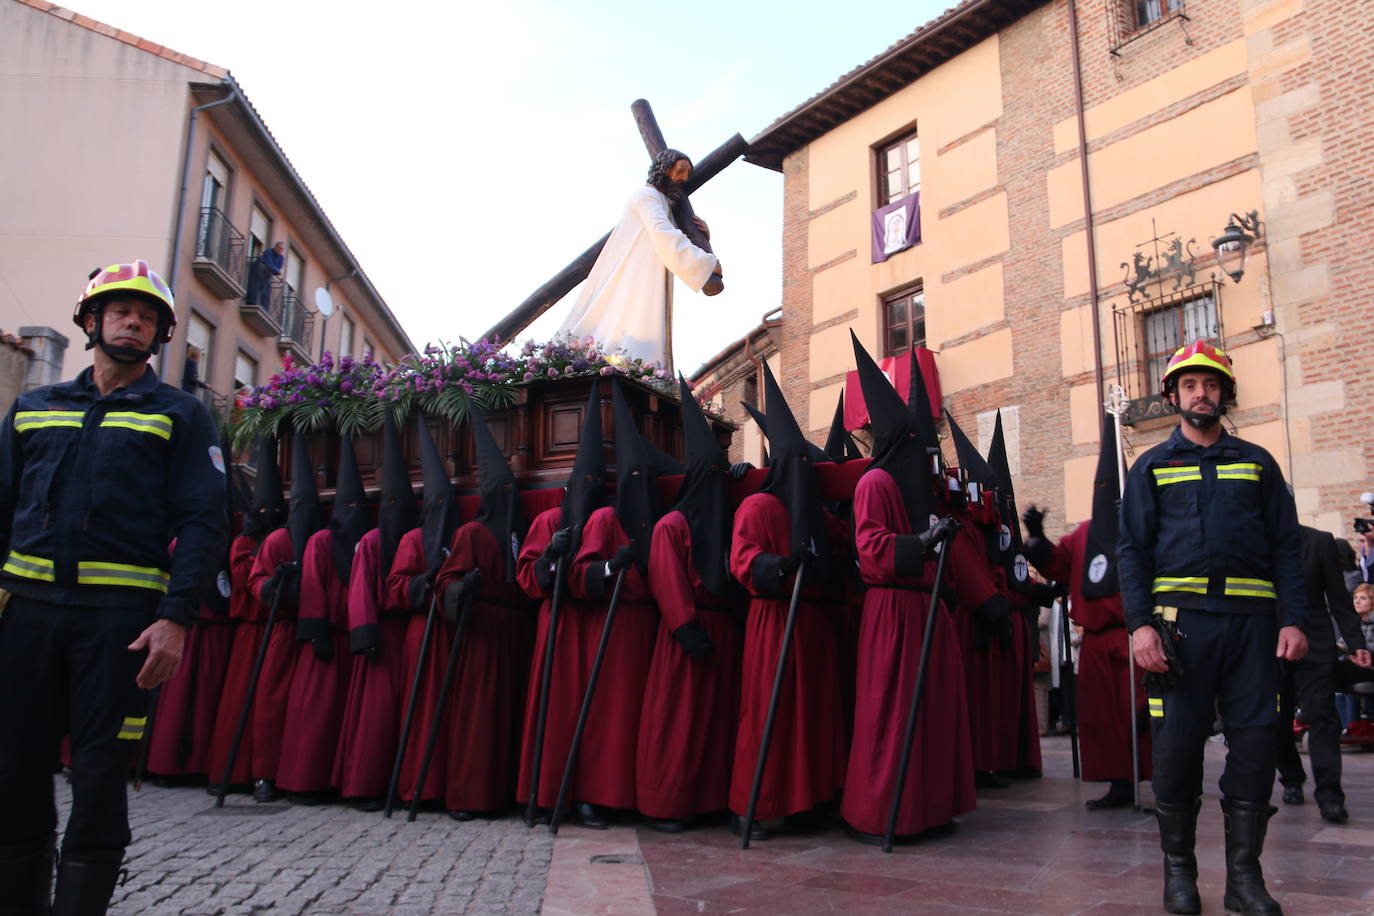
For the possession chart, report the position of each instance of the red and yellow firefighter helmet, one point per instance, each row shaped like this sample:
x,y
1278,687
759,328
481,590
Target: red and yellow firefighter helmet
x,y
1198,356
136,279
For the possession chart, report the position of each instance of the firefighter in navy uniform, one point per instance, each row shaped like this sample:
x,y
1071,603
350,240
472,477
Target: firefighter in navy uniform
x,y
97,475
1209,541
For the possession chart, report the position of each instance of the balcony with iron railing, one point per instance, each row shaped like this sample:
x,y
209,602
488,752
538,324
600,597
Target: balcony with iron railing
x,y
219,256
297,327
272,308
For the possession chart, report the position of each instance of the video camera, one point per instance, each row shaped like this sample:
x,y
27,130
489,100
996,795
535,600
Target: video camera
x,y
1365,525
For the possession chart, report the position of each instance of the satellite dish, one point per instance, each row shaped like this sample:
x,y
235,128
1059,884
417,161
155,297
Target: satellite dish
x,y
323,301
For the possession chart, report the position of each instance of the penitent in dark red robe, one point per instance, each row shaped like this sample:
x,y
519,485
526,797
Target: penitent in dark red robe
x,y
1018,746
315,702
488,694
185,719
251,615
971,573
1104,700
409,563
691,708
806,759
371,721
939,779
278,665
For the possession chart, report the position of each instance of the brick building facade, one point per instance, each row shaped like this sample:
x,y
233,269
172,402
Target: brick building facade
x,y
1190,112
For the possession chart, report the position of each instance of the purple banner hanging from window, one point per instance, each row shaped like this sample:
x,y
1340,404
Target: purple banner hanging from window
x,y
896,227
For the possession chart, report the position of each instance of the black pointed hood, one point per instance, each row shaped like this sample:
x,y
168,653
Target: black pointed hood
x,y
267,512
439,510
973,465
703,497
1012,553
818,454
840,445
636,479
1099,559
585,491
761,422
304,517
897,445
398,513
350,520
792,478
500,508
918,402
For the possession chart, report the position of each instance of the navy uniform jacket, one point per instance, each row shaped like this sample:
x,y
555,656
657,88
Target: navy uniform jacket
x,y
1209,529
93,489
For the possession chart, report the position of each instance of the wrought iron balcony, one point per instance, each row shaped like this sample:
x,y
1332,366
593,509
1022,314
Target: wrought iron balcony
x,y
219,255
261,306
297,327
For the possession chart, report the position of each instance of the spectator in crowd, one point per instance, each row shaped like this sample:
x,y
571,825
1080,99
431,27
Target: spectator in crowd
x,y
190,371
1350,706
1350,565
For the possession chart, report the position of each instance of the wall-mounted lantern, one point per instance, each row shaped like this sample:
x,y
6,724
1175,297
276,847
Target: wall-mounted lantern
x,y
1234,243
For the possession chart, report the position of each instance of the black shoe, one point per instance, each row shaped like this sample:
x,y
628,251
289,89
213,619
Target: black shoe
x,y
1334,812
984,779
85,883
868,839
1177,838
588,816
1246,825
662,825
365,804
1119,795
461,815
264,791
305,799
756,830
1292,795
26,875
212,789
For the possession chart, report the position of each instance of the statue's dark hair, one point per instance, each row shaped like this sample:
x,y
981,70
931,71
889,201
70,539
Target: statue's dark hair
x,y
658,171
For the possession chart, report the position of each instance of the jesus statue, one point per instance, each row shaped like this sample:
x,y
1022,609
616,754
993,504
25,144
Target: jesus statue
x,y
626,302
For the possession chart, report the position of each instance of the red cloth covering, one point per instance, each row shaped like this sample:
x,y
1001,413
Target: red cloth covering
x,y
691,708
939,780
371,720
568,676
184,722
806,759
319,689
409,563
971,573
1104,724
488,692
605,772
1019,745
274,682
251,615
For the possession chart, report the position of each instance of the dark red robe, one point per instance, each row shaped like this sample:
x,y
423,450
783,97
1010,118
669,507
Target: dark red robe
x,y
971,573
488,693
691,708
315,702
251,615
1018,746
409,563
806,760
269,702
1104,720
371,720
939,779
569,676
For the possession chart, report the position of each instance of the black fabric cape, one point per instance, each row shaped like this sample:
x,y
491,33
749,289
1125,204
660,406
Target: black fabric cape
x,y
585,491
703,498
499,508
399,512
897,445
792,479
1099,559
439,510
350,520
267,512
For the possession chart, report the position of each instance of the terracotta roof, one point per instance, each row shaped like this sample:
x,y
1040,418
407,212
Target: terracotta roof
x,y
128,38
949,34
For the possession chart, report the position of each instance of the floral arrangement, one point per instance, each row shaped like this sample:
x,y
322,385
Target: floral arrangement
x,y
441,381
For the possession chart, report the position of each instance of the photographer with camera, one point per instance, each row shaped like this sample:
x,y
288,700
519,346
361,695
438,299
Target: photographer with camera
x,y
1364,527
1209,552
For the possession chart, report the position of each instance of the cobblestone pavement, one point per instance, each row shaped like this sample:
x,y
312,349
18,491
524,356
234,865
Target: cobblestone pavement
x,y
188,858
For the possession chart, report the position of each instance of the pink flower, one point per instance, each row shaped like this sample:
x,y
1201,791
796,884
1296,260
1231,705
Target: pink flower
x,y
553,373
529,376
607,370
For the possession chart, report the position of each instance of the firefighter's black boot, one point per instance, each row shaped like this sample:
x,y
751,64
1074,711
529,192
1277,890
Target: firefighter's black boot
x,y
26,877
85,883
1246,824
1177,837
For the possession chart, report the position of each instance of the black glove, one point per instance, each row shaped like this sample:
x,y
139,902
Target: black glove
x,y
1156,682
559,544
457,594
943,530
790,563
1034,520
279,588
323,648
694,640
1044,595
737,471
623,557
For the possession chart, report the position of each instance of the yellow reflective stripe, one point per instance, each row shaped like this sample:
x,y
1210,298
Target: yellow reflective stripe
x,y
1181,584
29,567
132,729
1156,707
156,423
1175,475
1245,470
26,420
1250,588
91,572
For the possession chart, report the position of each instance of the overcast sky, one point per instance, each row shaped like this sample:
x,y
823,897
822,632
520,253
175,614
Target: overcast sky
x,y
468,152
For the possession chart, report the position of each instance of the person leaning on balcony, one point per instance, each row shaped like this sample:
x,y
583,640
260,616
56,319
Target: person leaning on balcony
x,y
269,264
1209,552
96,475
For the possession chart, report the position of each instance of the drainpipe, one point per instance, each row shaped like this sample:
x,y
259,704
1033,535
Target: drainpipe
x,y
1088,225
175,267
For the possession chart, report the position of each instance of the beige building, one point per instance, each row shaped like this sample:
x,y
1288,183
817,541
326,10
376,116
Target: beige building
x,y
119,148
1040,284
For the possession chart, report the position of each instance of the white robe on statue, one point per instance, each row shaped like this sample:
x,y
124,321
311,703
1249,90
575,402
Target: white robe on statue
x,y
625,300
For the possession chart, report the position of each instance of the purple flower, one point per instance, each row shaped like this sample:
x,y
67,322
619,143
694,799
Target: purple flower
x,y
529,376
346,386
553,373
607,370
